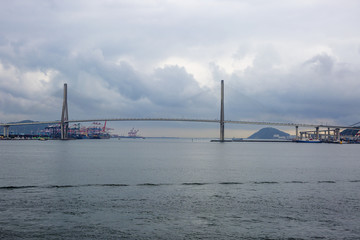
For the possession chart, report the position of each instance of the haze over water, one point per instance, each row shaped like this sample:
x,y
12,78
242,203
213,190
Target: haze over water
x,y
178,189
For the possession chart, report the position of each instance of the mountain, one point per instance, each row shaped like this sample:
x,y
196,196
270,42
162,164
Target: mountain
x,y
269,133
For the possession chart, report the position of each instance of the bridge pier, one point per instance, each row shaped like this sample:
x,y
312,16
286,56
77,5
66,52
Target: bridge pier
x,y
337,134
64,116
297,133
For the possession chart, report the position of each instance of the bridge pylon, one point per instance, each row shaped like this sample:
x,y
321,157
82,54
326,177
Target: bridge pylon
x,y
222,124
64,116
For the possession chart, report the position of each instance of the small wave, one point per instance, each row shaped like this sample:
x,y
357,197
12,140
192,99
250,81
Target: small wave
x,y
326,182
296,182
194,183
266,182
89,185
354,181
149,184
16,187
218,196
61,186
111,185
230,183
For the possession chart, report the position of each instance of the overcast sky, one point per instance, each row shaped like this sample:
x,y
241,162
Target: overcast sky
x,y
282,61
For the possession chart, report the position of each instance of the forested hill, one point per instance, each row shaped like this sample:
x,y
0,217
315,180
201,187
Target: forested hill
x,y
269,133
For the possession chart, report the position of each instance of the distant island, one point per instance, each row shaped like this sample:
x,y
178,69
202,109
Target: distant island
x,y
269,133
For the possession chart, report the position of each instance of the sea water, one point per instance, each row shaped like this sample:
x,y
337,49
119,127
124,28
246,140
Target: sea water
x,y
178,189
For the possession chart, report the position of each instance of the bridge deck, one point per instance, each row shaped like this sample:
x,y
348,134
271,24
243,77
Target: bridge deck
x,y
185,120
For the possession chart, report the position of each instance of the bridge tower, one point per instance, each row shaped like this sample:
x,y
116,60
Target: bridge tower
x,y
222,124
64,116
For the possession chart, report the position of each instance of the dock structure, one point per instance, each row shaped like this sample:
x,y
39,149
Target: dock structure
x,y
328,135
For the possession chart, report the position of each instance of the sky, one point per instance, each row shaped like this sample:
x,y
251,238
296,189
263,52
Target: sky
x,y
282,61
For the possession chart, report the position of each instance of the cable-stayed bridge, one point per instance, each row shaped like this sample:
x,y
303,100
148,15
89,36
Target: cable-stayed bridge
x,y
184,120
64,122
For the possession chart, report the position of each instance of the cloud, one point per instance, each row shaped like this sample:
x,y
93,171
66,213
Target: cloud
x,y
293,61
318,88
173,86
323,64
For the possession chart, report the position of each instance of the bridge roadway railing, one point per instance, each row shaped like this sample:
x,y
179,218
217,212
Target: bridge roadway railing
x,y
147,119
184,120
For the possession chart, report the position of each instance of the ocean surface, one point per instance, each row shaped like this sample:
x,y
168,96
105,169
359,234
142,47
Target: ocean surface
x,y
178,189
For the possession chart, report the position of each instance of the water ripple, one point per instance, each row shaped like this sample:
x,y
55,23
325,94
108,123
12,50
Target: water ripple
x,y
230,183
16,187
296,182
149,184
266,182
194,183
11,187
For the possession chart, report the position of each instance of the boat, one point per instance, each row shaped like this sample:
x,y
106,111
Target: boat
x,y
99,136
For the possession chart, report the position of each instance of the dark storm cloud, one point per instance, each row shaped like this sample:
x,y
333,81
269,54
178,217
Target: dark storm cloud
x,y
172,86
317,89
